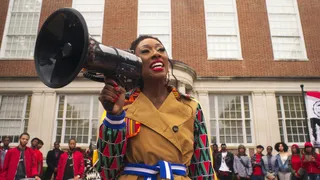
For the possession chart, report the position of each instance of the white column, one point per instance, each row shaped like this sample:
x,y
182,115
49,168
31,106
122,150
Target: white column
x,y
182,87
259,118
47,121
36,110
272,122
203,98
42,115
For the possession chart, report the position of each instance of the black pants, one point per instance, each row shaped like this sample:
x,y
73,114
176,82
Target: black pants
x,y
225,175
314,122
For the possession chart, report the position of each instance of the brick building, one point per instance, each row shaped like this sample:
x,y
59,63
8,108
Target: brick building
x,y
246,60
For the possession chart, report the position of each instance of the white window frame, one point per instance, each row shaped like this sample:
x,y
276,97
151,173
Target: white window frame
x,y
302,42
170,29
101,30
62,143
284,118
5,32
243,119
22,125
237,33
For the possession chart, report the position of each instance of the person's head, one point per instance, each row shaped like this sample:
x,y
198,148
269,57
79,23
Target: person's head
x,y
40,144
35,142
241,149
24,138
6,141
155,61
56,145
281,147
308,148
269,149
215,147
260,148
223,147
295,149
72,144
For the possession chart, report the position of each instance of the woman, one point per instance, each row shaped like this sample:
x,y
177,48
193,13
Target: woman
x,y
282,160
311,162
153,132
295,163
242,164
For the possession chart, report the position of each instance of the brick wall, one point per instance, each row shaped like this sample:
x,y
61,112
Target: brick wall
x,y
189,38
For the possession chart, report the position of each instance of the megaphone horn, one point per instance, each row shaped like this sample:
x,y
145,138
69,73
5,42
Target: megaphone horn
x,y
64,47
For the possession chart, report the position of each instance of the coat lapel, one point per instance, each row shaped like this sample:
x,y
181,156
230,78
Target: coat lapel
x,y
171,113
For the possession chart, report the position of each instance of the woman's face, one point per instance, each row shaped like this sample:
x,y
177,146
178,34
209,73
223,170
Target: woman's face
x,y
294,150
280,147
154,59
241,150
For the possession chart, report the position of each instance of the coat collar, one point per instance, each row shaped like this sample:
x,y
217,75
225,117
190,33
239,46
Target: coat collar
x,y
172,112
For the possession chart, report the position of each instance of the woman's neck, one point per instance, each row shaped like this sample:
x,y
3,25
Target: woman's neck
x,y
156,92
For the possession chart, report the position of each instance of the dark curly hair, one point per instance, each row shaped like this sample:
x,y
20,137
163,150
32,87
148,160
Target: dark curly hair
x,y
133,47
285,146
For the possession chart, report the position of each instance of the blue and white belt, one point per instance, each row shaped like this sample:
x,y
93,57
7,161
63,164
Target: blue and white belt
x,y
165,169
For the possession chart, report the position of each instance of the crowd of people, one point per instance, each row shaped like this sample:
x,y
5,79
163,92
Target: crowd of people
x,y
297,165
27,162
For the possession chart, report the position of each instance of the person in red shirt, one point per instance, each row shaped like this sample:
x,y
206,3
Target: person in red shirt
x,y
20,162
71,163
257,164
311,161
39,157
295,163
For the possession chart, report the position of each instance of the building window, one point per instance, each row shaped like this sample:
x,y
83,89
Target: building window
x,y
286,31
223,38
292,124
21,29
154,19
14,115
93,13
77,117
230,119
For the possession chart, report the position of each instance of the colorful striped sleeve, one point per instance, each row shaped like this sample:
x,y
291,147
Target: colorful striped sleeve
x,y
201,164
111,147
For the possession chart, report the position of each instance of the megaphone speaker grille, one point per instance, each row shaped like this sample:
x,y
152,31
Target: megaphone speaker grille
x,y
61,47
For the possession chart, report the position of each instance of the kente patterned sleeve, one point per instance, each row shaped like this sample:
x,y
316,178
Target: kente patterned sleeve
x,y
201,164
111,146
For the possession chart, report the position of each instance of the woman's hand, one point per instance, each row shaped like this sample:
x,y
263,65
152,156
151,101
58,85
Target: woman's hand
x,y
114,93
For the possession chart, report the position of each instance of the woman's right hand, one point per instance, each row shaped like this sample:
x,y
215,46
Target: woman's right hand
x,y
114,93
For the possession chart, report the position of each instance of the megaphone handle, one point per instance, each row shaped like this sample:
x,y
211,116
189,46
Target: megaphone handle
x,y
108,106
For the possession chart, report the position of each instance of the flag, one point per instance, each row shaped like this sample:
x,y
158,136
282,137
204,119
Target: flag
x,y
313,111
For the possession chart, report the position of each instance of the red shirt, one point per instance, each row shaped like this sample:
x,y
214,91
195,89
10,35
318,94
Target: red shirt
x,y
39,160
312,167
11,164
257,170
78,164
296,162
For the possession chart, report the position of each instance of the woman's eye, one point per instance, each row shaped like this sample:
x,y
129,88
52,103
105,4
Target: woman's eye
x,y
161,49
144,51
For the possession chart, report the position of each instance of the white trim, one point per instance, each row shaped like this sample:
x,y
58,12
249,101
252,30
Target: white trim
x,y
24,113
55,122
90,120
251,118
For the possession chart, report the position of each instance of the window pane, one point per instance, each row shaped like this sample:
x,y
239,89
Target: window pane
x,y
285,28
230,123
155,20
222,29
22,29
79,112
14,115
296,129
